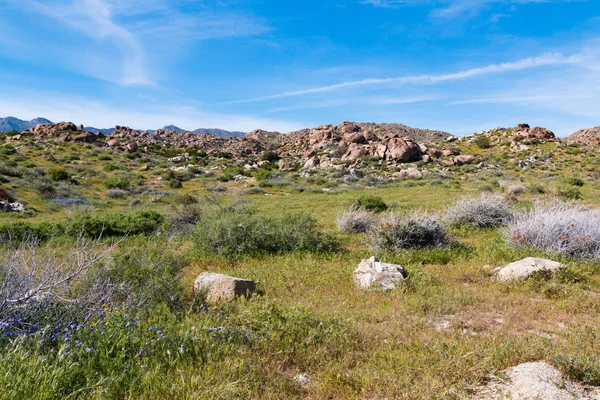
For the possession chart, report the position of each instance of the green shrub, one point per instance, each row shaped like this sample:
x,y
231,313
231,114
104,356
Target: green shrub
x,y
396,232
574,181
118,182
6,195
139,222
117,194
110,167
57,174
242,233
370,203
145,273
269,156
483,142
22,231
262,175
569,193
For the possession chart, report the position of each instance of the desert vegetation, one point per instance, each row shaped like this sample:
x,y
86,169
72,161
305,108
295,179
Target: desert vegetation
x,y
98,270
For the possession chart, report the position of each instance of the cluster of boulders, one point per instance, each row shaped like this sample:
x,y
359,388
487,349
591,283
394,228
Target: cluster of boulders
x,y
63,132
586,137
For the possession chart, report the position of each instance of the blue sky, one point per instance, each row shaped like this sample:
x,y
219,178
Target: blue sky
x,y
456,65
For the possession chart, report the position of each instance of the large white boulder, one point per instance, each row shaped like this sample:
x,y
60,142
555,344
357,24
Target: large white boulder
x,y
219,287
522,269
532,381
372,273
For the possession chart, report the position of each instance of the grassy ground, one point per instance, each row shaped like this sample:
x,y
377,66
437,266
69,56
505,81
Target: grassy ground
x,y
440,336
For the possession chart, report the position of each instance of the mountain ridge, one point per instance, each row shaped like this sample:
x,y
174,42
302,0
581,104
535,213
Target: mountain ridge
x,y
9,124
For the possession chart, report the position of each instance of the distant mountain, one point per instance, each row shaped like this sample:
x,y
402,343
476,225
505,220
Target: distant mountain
x,y
173,128
11,123
219,132
105,131
15,124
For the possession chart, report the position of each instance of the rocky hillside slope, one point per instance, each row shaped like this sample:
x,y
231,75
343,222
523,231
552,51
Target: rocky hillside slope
x,y
587,137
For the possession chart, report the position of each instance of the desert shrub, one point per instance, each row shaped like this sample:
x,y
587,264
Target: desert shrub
x,y
6,195
240,232
255,190
110,167
175,184
186,199
354,219
118,182
269,156
184,216
574,181
397,232
536,188
58,174
483,142
370,203
262,174
139,222
13,171
484,211
144,273
559,227
21,231
117,194
104,157
568,193
218,189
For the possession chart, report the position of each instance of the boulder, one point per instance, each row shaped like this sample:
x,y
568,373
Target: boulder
x,y
534,380
11,207
85,137
522,269
453,151
355,153
219,287
402,150
354,137
113,143
371,273
410,173
178,159
464,159
312,163
541,133
132,147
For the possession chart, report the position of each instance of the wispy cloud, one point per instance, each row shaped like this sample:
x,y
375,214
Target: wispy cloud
x,y
526,63
449,9
363,101
131,30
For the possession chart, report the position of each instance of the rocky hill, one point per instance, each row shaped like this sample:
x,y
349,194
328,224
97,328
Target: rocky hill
x,y
587,136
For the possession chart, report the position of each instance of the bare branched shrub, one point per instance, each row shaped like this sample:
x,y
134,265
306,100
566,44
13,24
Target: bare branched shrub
x,y
355,219
396,232
482,212
559,227
34,278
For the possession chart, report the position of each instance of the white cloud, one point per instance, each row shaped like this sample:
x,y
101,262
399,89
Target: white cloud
x,y
526,63
123,38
